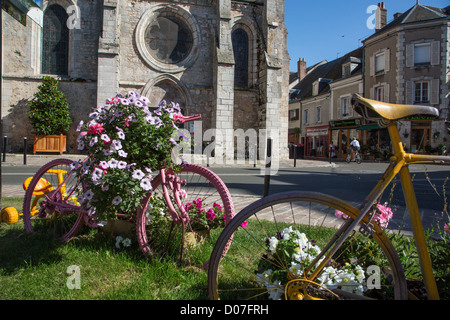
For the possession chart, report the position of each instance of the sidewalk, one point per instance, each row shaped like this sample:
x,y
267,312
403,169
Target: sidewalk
x,y
13,159
240,200
38,160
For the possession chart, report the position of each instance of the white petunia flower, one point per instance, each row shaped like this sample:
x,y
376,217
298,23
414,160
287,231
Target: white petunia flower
x,y
113,163
117,200
146,184
121,165
97,174
88,195
273,244
138,174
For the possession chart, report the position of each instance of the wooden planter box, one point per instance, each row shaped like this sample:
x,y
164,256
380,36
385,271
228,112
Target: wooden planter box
x,y
50,143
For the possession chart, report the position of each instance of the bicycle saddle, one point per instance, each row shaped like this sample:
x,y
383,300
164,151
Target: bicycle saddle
x,y
376,110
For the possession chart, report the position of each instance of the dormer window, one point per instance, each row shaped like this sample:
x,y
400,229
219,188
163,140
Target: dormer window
x,y
315,88
346,70
319,85
349,66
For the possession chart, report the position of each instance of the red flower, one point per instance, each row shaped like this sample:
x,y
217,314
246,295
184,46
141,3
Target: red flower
x,y
96,128
210,214
178,117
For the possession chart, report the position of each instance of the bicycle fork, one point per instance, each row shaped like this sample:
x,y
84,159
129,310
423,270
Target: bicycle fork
x,y
172,183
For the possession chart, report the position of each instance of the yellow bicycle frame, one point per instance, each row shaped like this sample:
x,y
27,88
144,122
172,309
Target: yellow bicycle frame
x,y
399,165
405,159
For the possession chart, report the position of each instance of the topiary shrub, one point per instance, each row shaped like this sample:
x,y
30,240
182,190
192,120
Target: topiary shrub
x,y
49,110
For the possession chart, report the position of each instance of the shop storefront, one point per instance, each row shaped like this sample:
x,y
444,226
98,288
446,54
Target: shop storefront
x,y
342,133
317,142
375,142
421,136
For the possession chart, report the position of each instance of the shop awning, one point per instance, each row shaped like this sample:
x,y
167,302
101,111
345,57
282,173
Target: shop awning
x,y
369,127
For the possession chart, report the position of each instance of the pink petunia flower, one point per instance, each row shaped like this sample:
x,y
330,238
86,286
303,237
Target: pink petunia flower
x,y
178,117
340,214
198,203
96,128
210,214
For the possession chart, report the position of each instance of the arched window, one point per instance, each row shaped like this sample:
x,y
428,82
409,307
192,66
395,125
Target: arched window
x,y
240,49
55,41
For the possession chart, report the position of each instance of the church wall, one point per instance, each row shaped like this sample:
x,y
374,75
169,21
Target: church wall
x,y
105,58
21,72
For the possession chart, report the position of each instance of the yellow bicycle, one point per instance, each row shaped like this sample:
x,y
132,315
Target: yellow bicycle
x,y
304,245
10,215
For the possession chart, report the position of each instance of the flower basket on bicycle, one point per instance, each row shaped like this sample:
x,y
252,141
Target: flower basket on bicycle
x,y
130,174
126,143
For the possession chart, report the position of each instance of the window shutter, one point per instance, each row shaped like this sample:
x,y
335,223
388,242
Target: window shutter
x,y
386,92
434,92
338,109
409,93
387,60
372,66
372,93
410,55
435,53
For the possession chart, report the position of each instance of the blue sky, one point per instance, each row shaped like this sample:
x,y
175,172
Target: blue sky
x,y
326,30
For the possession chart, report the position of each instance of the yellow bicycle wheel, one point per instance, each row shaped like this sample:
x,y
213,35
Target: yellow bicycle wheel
x,y
276,253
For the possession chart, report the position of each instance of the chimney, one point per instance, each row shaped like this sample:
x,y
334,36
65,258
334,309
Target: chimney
x,y
396,15
301,65
380,17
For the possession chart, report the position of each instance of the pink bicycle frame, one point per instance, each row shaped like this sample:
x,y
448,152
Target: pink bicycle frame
x,y
172,182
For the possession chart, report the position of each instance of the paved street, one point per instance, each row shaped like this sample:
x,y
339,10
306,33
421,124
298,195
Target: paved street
x,y
351,182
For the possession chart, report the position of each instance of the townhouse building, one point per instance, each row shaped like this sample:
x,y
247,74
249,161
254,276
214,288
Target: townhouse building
x,y
320,105
405,61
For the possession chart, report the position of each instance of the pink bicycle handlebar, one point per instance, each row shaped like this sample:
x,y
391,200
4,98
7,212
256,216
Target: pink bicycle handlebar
x,y
193,118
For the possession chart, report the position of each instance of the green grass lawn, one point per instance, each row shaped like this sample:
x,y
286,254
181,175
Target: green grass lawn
x,y
34,266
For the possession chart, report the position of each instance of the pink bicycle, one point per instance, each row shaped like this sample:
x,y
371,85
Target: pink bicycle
x,y
59,211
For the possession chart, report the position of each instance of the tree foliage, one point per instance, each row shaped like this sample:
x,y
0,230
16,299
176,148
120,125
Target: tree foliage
x,y
49,109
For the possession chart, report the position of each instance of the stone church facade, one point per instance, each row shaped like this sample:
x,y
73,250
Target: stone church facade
x,y
224,59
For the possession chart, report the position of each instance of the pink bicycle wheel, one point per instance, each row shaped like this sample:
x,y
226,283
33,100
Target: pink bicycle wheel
x,y
201,188
52,184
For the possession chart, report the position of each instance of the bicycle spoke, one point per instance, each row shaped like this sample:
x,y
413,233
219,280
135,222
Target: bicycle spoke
x,y
196,191
262,254
50,204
